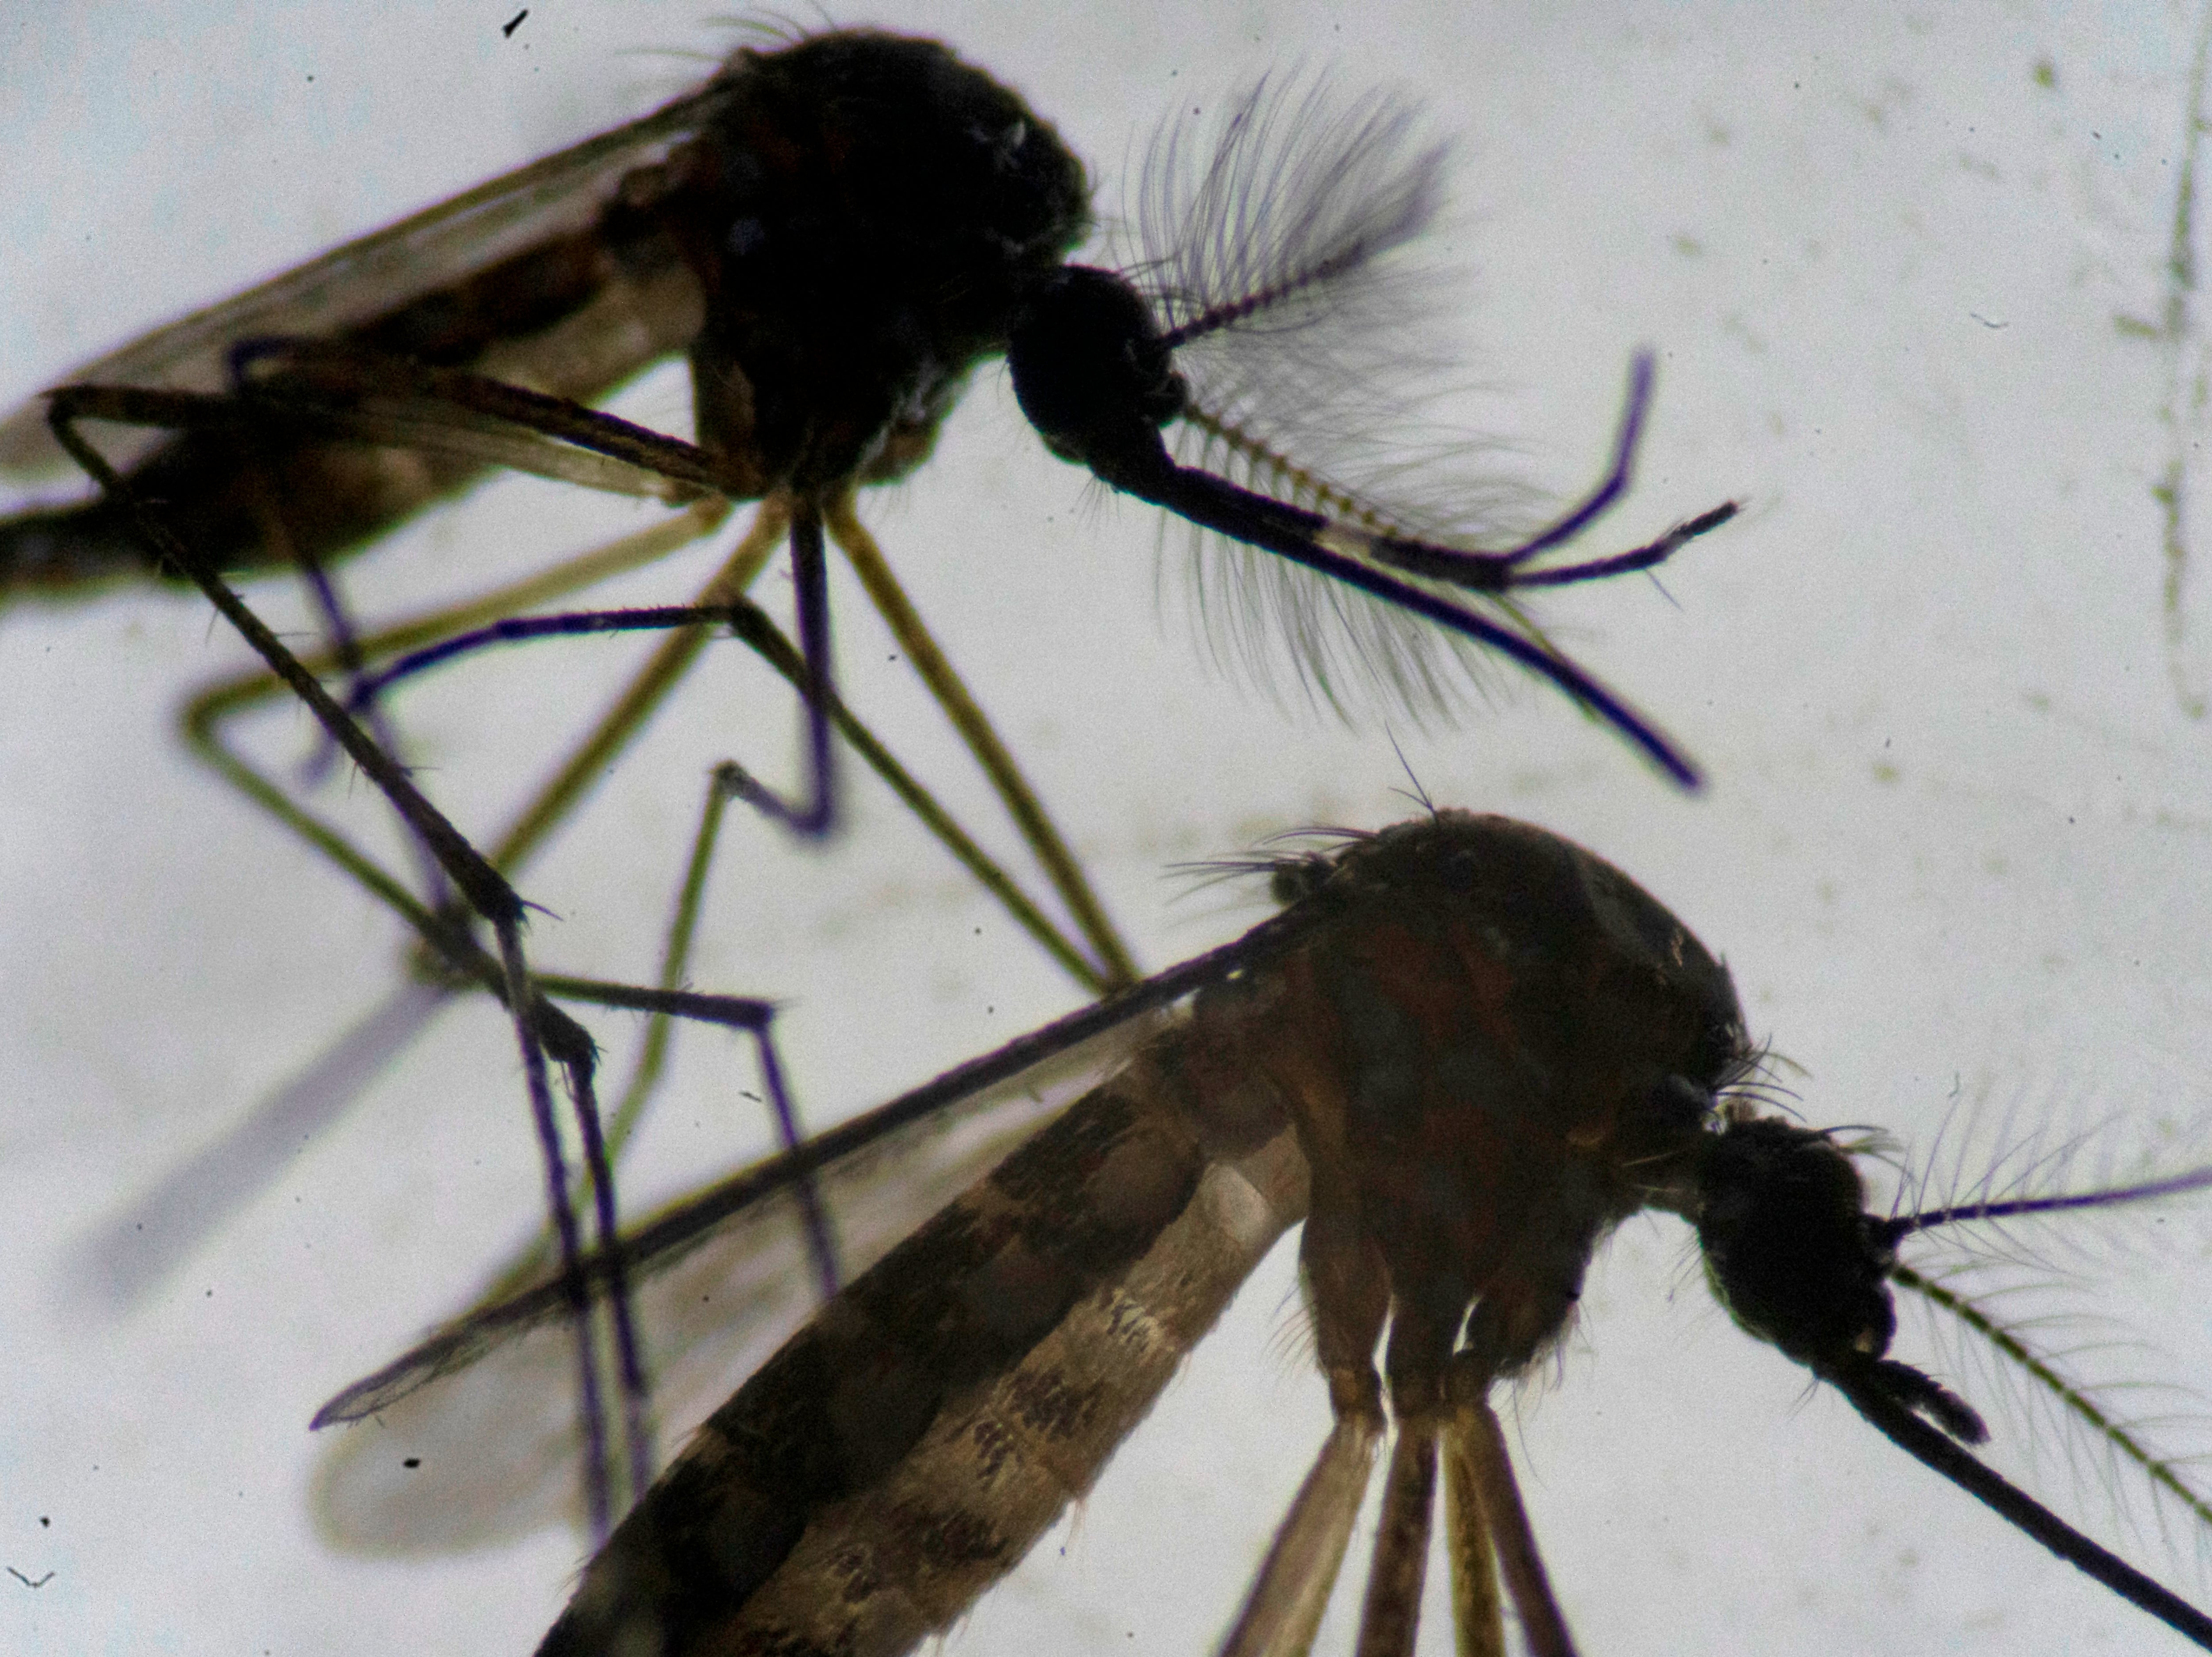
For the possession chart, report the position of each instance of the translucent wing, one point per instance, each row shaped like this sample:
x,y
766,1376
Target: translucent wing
x,y
376,274
486,1448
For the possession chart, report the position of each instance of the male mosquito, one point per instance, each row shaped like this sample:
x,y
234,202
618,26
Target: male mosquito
x,y
836,233
1464,1051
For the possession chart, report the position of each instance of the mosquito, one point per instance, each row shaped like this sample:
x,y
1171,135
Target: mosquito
x,y
1463,1052
822,360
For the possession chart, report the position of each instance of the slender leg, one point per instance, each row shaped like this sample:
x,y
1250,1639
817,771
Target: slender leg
x,y
814,811
216,1186
642,699
1390,1618
1478,1441
536,1022
1478,1612
967,718
755,1017
460,412
1287,1598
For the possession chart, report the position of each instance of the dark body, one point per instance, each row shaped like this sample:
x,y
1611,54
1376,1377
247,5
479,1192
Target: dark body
x,y
835,233
1467,1049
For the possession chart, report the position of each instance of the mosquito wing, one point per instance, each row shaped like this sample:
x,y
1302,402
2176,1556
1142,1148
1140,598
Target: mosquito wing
x,y
478,1442
377,273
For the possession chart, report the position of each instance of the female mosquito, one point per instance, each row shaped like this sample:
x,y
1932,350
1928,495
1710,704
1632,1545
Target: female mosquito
x,y
1464,1051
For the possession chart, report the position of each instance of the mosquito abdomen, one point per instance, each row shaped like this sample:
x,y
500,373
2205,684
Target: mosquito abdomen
x,y
574,318
904,1450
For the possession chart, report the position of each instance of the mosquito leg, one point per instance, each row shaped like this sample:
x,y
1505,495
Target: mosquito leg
x,y
646,1070
755,1017
345,637
211,710
689,625
643,696
223,699
197,1197
1348,1293
345,652
630,1361
814,815
1478,1612
1284,1606
455,411
636,448
728,783
1390,1617
1021,805
487,891
1478,1456
215,707
520,995
278,540
752,625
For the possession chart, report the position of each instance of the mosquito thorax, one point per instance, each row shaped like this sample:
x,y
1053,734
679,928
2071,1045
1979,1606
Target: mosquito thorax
x,y
1522,1044
1093,373
1590,960
864,218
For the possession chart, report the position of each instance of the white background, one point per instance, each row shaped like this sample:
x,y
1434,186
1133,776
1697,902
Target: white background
x,y
1954,847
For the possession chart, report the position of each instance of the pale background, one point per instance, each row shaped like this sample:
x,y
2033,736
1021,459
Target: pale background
x,y
1954,847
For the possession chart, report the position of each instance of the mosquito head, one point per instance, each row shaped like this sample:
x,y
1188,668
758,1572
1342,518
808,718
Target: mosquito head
x,y
1792,1252
1093,373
